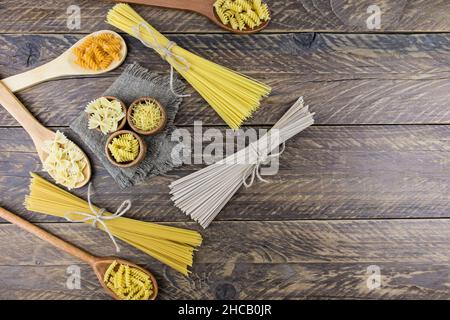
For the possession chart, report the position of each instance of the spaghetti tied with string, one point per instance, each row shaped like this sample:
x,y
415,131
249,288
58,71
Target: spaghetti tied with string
x,y
171,245
232,95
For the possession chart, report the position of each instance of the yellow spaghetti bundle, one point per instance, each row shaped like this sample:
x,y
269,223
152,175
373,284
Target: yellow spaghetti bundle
x,y
232,95
172,246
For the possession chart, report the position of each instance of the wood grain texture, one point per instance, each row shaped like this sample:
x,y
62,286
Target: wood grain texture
x,y
346,79
366,186
353,172
287,16
279,260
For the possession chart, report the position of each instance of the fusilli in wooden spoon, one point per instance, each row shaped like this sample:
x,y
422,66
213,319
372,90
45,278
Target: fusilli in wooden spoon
x,y
203,7
98,264
62,66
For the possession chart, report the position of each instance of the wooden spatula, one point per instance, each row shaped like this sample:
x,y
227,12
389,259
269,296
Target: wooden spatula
x,y
203,7
38,133
62,66
98,264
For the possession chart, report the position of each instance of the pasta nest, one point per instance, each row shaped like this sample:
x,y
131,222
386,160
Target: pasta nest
x,y
97,52
146,115
104,114
242,14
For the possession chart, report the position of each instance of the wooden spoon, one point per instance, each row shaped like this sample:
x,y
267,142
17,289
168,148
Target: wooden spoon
x,y
38,133
98,264
62,66
203,7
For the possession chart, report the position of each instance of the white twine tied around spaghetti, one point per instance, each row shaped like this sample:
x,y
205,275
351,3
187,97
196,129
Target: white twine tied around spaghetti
x,y
166,53
261,159
97,216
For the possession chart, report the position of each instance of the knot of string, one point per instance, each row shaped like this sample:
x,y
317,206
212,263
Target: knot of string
x,y
261,159
165,52
97,216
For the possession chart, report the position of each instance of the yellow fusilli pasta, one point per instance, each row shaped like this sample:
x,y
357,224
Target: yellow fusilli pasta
x,y
233,6
242,14
97,52
244,4
128,283
124,148
252,15
222,16
262,9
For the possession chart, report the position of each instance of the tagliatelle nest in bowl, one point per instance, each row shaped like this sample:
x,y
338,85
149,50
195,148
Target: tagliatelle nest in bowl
x,y
65,161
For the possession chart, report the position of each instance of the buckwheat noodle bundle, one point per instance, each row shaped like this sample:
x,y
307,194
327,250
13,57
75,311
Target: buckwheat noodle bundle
x,y
172,246
232,95
202,194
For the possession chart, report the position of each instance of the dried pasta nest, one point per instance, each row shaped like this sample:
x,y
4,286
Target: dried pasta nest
x,y
242,14
125,149
147,116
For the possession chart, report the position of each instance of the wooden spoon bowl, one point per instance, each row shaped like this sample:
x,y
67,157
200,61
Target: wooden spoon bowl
x,y
47,135
38,133
123,122
135,162
62,66
203,7
154,131
100,265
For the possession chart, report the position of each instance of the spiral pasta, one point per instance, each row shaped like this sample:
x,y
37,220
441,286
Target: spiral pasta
x,y
124,148
97,52
242,14
128,283
104,114
146,115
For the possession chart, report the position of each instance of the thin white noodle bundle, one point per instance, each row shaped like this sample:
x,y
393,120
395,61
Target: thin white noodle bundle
x,y
202,194
232,95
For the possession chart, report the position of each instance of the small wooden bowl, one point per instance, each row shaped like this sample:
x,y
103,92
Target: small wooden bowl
x,y
139,158
150,132
123,122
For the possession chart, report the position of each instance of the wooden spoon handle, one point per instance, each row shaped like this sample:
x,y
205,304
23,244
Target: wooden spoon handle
x,y
51,70
201,6
10,102
44,235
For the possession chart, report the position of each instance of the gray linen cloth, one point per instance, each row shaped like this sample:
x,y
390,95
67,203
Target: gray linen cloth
x,y
133,83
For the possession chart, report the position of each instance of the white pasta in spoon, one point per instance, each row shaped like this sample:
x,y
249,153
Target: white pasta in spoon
x,y
65,161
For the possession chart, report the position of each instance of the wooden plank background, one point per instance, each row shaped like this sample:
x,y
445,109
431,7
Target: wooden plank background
x,y
367,185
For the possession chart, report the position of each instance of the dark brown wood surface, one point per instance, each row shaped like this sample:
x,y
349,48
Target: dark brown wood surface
x,y
48,16
347,79
367,185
